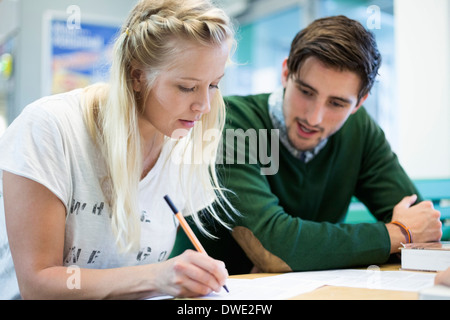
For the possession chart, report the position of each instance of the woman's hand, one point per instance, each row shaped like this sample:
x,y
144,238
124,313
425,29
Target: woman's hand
x,y
443,278
190,274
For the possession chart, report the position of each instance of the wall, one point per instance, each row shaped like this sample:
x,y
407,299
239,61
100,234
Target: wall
x,y
30,38
423,81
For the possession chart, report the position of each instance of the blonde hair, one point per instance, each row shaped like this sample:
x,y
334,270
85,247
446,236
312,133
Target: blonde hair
x,y
148,40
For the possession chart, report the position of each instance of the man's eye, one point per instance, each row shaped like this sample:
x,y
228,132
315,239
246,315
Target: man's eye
x,y
306,92
336,104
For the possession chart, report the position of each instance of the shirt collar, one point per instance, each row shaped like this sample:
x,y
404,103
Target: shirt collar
x,y
277,117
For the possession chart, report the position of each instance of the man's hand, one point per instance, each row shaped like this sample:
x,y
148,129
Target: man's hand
x,y
422,220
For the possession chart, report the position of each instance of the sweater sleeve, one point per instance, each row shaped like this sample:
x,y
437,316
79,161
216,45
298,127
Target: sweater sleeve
x,y
277,241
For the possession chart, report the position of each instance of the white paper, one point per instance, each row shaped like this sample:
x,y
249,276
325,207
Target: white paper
x,y
370,279
292,284
265,288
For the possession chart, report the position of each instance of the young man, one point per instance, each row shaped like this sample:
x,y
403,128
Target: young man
x,y
329,149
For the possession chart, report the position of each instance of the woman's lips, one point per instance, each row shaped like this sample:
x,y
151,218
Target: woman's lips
x,y
187,123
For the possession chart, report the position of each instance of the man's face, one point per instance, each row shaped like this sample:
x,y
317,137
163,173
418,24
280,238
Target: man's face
x,y
317,102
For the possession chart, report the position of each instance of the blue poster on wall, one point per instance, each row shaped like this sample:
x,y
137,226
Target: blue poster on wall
x,y
77,56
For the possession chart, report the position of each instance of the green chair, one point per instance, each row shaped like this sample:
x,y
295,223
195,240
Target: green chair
x,y
438,191
435,190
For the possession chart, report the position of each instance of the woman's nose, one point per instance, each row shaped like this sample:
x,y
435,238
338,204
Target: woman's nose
x,y
202,102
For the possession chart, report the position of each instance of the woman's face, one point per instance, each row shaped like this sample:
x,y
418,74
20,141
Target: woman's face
x,y
182,93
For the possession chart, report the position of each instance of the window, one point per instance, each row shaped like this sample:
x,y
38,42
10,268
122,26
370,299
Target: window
x,y
262,47
264,41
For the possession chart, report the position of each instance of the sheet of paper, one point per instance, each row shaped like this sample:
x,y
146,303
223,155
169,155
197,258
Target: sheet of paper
x,y
292,284
266,288
371,279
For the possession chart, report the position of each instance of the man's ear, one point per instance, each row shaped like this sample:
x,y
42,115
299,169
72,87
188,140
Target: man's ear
x,y
284,73
137,76
360,103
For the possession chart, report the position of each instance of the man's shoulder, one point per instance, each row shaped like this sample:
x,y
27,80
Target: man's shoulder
x,y
247,111
362,130
361,120
261,98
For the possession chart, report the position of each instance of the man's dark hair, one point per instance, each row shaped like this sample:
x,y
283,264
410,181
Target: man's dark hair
x,y
338,42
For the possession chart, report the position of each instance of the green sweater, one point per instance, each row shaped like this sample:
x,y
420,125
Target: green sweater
x,y
293,219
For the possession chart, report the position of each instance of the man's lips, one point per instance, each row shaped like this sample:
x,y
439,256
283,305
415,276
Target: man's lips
x,y
306,131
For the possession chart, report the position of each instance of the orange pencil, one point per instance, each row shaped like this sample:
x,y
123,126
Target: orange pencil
x,y
187,229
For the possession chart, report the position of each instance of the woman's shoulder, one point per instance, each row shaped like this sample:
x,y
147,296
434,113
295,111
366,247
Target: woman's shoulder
x,y
56,105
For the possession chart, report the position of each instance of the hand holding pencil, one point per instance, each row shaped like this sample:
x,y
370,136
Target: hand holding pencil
x,y
187,229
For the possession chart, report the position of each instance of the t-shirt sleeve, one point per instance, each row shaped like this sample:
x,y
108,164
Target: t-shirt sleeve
x,y
33,147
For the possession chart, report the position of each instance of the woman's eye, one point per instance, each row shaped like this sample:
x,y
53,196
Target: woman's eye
x,y
214,86
184,89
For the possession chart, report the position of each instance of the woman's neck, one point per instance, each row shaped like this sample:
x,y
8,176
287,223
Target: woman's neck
x,y
151,145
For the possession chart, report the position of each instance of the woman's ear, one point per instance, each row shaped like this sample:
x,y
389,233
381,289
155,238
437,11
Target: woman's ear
x,y
137,76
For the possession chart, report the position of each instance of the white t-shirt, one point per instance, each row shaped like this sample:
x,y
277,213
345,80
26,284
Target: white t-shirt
x,y
49,143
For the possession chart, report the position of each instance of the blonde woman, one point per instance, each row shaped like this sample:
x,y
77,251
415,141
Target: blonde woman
x,y
84,173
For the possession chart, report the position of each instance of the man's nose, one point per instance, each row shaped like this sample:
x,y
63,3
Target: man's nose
x,y
315,113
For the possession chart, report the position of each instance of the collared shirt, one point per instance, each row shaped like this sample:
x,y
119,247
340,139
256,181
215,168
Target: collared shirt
x,y
277,117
